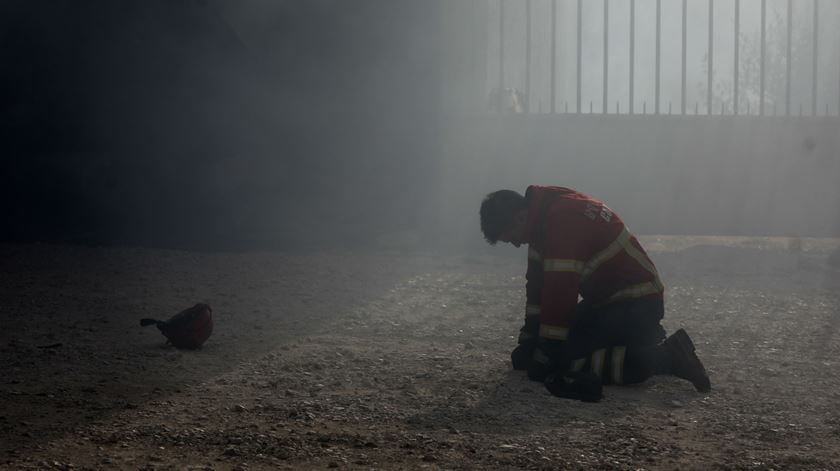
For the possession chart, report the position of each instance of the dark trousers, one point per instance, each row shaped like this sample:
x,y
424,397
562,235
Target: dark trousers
x,y
618,342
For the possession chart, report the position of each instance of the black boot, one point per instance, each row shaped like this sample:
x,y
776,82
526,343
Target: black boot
x,y
581,386
684,362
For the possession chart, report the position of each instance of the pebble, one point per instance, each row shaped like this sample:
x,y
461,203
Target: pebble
x,y
231,451
442,391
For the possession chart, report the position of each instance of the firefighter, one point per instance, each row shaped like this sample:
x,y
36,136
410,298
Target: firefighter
x,y
594,300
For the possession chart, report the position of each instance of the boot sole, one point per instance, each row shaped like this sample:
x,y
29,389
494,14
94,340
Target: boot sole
x,y
682,345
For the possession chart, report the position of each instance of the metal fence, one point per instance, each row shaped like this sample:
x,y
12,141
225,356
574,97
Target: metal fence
x,y
824,64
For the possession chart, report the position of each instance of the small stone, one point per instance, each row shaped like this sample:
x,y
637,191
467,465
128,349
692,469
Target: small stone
x,y
231,451
239,408
332,464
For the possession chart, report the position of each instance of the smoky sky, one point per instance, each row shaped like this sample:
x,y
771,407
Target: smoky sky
x,y
294,124
721,171
217,123
697,52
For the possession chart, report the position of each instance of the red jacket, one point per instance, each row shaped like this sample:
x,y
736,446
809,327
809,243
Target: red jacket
x,y
578,246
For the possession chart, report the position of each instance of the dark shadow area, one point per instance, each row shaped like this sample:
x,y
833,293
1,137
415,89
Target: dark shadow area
x,y
212,124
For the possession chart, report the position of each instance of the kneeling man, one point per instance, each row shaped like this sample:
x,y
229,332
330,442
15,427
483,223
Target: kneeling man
x,y
594,297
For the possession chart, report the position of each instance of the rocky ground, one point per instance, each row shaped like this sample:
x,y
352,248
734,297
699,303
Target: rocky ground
x,y
390,361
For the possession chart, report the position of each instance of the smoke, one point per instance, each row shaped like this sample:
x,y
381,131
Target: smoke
x,y
219,123
701,173
290,124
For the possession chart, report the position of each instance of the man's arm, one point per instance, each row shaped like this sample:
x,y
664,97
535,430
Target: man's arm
x,y
563,260
529,333
533,292
559,300
562,264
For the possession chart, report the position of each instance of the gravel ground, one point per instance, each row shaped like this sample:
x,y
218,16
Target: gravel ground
x,y
393,361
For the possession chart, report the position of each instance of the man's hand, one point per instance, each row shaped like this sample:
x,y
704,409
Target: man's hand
x,y
528,338
521,356
546,359
581,386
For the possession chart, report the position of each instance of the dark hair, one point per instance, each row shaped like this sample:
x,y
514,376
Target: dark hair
x,y
497,212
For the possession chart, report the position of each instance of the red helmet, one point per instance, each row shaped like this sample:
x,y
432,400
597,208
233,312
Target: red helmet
x,y
188,329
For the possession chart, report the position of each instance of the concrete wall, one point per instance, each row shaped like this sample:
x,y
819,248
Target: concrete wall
x,y
667,175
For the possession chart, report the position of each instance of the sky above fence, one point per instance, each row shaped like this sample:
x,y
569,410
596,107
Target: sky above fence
x,y
813,77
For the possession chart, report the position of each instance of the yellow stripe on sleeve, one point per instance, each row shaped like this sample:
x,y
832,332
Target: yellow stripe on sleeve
x,y
598,357
554,332
617,363
563,265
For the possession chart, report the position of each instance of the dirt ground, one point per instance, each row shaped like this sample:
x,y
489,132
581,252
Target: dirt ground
x,y
382,360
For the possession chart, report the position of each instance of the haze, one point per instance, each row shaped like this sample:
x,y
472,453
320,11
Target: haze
x,y
307,174
284,124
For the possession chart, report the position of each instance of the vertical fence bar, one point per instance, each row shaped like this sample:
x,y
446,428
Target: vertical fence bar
x,y
527,56
711,57
658,53
736,72
632,51
606,52
789,59
553,55
763,57
501,45
762,96
579,53
684,47
816,26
